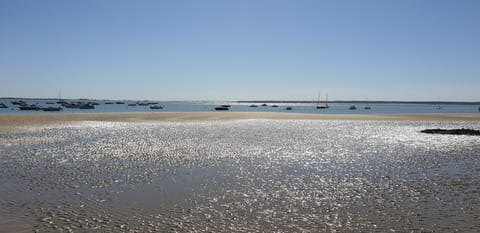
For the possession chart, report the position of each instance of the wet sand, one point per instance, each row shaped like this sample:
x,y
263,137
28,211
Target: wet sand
x,y
16,122
237,172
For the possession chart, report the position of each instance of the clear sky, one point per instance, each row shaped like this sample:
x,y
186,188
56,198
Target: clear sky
x,y
240,50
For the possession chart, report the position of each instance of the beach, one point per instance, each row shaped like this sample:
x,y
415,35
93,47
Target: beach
x,y
237,172
19,121
239,116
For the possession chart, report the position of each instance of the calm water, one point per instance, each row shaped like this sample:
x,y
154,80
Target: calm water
x,y
241,176
204,106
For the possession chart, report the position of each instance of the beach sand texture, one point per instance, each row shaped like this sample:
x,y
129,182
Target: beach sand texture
x,y
237,172
18,121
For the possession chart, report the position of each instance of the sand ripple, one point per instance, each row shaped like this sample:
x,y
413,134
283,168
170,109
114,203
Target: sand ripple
x,y
241,176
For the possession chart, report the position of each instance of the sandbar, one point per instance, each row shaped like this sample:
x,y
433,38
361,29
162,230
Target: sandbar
x,y
16,122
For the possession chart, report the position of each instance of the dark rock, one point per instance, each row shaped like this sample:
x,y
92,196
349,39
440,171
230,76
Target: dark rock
x,y
461,131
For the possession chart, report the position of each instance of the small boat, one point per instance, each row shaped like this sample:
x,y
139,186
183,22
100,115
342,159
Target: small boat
x,y
326,102
119,102
152,103
274,106
62,102
368,107
131,105
108,102
18,102
52,109
50,102
253,106
86,106
142,104
156,107
2,105
221,108
226,105
264,105
71,105
479,109
352,107
32,107
288,108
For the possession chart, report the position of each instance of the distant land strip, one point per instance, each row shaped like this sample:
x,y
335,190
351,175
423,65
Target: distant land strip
x,y
269,101
361,101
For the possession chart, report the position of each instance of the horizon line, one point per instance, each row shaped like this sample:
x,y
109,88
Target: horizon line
x,y
266,100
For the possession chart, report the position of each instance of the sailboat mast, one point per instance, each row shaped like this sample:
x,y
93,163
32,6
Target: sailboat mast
x,y
318,99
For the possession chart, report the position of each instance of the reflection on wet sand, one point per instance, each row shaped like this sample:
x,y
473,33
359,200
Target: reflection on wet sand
x,y
240,175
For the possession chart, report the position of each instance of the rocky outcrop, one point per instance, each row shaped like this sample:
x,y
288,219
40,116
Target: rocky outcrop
x,y
461,131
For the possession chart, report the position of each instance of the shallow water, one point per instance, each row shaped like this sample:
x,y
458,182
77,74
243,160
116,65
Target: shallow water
x,y
250,175
209,106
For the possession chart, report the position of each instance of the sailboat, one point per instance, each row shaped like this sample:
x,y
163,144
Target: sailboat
x,y
322,106
367,106
60,101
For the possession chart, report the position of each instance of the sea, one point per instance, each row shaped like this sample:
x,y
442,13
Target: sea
x,y
209,106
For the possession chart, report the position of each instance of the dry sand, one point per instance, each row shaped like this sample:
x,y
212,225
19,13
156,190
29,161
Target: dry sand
x,y
17,122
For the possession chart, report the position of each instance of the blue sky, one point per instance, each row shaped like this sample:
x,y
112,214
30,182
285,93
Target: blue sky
x,y
237,50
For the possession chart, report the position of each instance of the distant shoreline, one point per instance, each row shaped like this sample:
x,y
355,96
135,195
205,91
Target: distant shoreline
x,y
361,102
268,101
17,122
